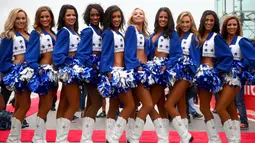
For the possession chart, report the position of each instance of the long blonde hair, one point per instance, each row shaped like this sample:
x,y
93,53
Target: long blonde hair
x,y
9,26
193,28
145,23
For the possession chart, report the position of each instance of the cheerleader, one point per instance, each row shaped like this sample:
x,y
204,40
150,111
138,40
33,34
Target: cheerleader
x,y
244,62
13,47
159,45
190,61
39,58
64,51
216,57
88,53
136,53
115,81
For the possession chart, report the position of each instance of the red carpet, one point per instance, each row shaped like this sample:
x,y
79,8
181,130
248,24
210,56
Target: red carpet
x,y
33,108
147,136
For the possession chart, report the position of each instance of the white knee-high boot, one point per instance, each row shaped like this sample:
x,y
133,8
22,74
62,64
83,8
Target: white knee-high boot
x,y
130,127
15,133
181,129
40,131
186,123
109,126
161,132
236,125
87,130
229,131
212,132
63,127
166,125
137,132
117,130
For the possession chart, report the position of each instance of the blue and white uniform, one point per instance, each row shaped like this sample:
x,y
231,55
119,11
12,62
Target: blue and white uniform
x,y
45,77
113,42
207,77
15,77
135,40
187,67
244,62
67,41
171,46
91,41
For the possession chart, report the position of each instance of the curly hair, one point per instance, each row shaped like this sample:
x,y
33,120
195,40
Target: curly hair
x,y
9,26
86,14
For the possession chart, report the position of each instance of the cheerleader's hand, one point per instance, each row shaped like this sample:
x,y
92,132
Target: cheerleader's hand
x,y
240,70
163,69
94,66
109,76
140,69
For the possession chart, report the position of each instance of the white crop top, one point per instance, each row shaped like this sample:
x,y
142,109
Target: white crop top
x,y
46,44
236,51
96,41
19,45
208,47
186,44
163,44
118,42
140,40
74,41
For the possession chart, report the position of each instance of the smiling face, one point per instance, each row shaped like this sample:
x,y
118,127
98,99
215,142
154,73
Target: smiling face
x,y
185,24
232,27
70,17
94,17
138,17
45,19
116,19
163,19
21,20
209,22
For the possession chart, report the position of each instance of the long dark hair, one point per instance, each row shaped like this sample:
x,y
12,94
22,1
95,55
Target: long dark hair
x,y
61,22
170,25
216,27
86,14
108,17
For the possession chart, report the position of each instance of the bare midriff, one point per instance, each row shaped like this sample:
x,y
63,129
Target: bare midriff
x,y
118,59
46,58
19,59
96,53
208,61
141,56
160,54
71,54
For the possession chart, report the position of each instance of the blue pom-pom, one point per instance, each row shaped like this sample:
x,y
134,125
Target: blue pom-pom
x,y
105,87
207,79
44,80
17,79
